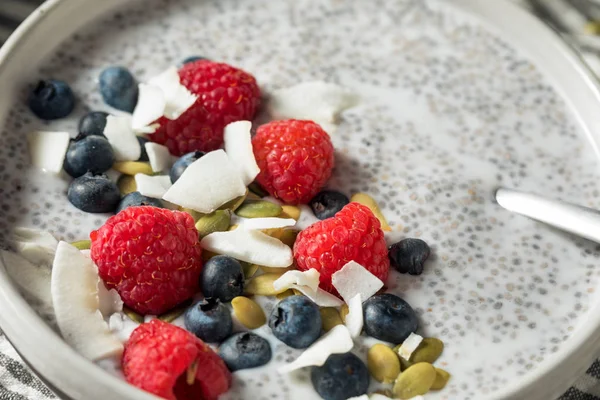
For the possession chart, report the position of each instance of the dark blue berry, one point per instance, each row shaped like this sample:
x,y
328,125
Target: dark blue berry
x,y
135,199
88,154
51,99
94,193
222,278
182,163
409,255
245,350
144,155
327,203
119,88
93,123
192,59
296,321
341,377
389,318
209,320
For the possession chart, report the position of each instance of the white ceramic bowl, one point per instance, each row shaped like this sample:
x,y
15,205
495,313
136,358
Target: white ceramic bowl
x,y
73,377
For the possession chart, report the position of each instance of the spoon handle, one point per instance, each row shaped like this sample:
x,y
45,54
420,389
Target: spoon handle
x,y
578,220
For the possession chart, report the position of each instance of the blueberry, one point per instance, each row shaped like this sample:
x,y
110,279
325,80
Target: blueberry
x,y
51,99
327,203
94,193
387,317
209,320
144,155
296,321
135,199
88,154
341,377
93,123
409,255
192,59
245,350
119,88
182,163
222,278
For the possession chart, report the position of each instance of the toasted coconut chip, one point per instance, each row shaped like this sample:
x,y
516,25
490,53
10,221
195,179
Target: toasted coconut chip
x,y
152,186
159,156
355,279
251,246
336,341
150,106
320,297
178,99
47,150
122,138
309,279
207,184
409,345
35,245
74,289
354,319
318,101
238,146
33,280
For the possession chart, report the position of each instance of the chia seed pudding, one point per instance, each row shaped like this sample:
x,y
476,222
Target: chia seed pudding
x,y
448,112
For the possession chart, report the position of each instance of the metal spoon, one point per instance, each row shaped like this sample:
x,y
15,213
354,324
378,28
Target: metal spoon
x,y
578,220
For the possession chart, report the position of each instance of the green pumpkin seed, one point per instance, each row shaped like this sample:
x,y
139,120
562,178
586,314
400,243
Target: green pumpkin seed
x,y
207,255
330,317
82,244
133,315
235,203
249,269
173,314
285,294
441,379
257,190
428,351
217,221
258,209
344,311
126,184
133,167
290,212
248,312
383,363
263,285
415,381
366,200
195,214
288,237
275,270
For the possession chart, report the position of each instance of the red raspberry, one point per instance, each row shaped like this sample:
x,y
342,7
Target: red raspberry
x,y
353,234
295,159
157,358
225,94
150,255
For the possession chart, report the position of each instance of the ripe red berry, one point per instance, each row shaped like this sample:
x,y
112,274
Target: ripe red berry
x,y
353,234
225,94
295,159
172,363
150,255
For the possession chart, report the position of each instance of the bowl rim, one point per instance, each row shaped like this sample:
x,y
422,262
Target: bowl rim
x,y
68,374
82,379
